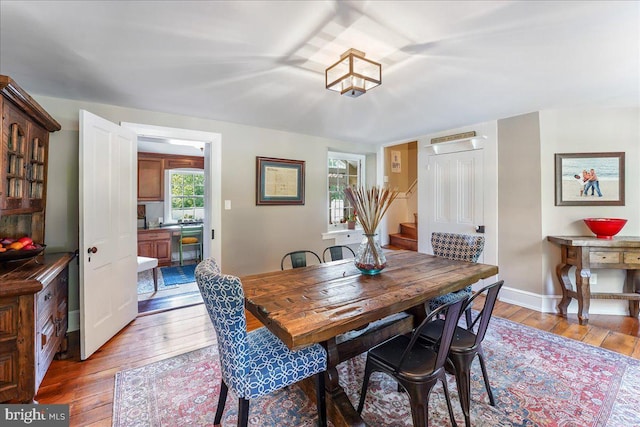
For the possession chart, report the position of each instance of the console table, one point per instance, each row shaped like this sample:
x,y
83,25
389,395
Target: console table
x,y
586,253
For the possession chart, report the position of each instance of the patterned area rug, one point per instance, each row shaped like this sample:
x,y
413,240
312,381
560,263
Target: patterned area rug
x,y
178,275
538,379
168,278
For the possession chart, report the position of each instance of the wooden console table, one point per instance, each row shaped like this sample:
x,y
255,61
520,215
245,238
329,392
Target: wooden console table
x,y
586,253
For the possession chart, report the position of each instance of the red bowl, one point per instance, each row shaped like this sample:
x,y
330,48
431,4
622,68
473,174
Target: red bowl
x,y
605,228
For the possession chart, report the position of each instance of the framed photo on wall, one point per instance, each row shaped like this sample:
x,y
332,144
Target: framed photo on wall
x,y
279,181
590,179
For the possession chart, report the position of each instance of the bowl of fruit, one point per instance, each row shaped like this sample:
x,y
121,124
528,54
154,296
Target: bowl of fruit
x,y
16,249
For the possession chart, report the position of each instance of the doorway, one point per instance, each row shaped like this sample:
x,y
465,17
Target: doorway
x,y
164,217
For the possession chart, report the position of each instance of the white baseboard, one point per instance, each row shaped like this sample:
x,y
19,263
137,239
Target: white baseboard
x,y
74,321
549,303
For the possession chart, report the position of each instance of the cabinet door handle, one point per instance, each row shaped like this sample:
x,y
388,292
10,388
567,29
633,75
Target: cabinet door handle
x,y
48,296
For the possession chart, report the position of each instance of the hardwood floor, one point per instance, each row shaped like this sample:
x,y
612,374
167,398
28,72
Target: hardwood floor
x,y
88,386
155,305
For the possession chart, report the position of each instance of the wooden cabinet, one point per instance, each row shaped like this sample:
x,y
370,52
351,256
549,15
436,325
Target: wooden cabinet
x,y
155,243
150,178
33,322
151,167
184,162
33,295
23,162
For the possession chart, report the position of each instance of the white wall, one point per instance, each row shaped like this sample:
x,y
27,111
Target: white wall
x,y
254,238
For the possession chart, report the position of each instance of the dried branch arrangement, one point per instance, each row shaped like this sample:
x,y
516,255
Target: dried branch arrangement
x,y
370,204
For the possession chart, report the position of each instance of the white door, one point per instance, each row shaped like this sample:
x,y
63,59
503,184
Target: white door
x,y
455,192
108,239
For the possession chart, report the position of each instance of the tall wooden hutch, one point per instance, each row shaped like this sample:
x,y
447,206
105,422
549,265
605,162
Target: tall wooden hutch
x,y
33,292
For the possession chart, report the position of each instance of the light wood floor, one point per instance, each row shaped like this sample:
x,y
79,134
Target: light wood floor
x,y
88,386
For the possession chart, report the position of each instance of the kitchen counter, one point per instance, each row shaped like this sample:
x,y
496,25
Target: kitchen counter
x,y
167,227
158,241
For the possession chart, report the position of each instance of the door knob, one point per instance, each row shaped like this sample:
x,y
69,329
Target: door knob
x,y
92,250
479,228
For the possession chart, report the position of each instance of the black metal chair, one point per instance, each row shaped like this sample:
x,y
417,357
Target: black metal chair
x,y
337,252
415,367
299,258
466,345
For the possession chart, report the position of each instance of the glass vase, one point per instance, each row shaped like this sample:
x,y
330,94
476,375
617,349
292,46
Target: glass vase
x,y
369,257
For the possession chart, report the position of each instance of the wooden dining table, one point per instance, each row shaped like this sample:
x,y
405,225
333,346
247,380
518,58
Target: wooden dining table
x,y
349,312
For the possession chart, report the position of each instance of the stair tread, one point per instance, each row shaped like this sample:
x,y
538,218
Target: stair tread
x,y
403,236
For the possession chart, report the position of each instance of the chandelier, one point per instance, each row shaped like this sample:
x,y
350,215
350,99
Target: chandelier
x,y
353,74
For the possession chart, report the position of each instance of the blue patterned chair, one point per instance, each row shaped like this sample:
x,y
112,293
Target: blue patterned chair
x,y
253,363
460,247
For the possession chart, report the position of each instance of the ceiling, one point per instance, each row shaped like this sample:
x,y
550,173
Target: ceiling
x,y
261,63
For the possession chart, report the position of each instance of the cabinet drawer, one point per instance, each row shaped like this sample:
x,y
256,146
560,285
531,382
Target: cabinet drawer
x,y
47,344
154,235
632,258
605,257
47,301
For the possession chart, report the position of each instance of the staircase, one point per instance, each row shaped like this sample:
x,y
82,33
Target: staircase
x,y
407,238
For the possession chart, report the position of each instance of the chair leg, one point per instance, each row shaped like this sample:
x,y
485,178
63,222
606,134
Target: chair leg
x,y
321,402
448,399
243,412
492,401
419,401
222,400
365,384
462,363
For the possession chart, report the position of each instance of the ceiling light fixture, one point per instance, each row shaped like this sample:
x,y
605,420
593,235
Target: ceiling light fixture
x,y
353,74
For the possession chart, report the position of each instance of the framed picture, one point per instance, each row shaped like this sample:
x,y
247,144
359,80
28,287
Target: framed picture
x,y
595,179
396,161
279,181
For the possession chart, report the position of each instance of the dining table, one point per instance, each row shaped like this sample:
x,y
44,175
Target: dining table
x,y
349,312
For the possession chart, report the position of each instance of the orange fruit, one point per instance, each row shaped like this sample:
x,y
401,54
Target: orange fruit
x,y
16,245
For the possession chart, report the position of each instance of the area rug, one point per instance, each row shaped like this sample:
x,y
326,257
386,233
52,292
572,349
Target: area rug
x,y
538,379
178,275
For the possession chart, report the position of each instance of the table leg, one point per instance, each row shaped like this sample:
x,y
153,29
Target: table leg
x,y
340,411
632,285
562,271
583,294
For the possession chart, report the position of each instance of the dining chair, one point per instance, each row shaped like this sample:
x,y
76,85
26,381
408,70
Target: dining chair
x,y
191,236
415,367
466,345
337,252
459,247
255,363
299,258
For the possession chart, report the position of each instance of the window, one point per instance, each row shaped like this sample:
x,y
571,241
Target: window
x,y
184,195
344,170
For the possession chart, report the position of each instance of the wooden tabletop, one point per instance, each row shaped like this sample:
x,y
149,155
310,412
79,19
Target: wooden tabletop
x,y
313,304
